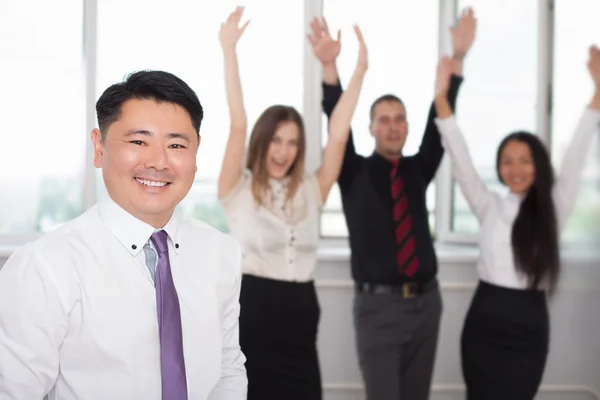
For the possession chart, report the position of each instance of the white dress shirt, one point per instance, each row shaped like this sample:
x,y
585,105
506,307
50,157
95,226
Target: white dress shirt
x,y
279,240
78,317
497,213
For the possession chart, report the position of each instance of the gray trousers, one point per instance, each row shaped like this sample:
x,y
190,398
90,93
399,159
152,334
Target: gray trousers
x,y
396,340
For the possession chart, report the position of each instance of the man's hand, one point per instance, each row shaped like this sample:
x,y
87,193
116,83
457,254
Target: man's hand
x,y
230,31
463,34
326,49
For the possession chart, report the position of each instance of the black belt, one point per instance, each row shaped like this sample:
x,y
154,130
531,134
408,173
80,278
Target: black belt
x,y
407,290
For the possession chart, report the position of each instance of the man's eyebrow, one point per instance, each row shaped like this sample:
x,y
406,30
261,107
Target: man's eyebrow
x,y
139,132
145,132
176,135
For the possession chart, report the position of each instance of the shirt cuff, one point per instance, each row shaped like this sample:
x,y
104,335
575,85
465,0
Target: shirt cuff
x,y
446,123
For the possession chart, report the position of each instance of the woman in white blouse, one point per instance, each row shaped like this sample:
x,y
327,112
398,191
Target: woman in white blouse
x,y
504,342
272,207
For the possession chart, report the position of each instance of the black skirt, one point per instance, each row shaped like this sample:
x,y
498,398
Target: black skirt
x,y
278,335
504,343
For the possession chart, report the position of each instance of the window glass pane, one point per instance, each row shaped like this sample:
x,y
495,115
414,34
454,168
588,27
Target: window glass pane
x,y
576,29
397,65
183,39
43,114
499,93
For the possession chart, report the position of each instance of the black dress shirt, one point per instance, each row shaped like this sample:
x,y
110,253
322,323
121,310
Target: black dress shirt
x,y
366,199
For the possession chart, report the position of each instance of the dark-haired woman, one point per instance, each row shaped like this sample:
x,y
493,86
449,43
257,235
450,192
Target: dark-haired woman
x,y
272,208
504,342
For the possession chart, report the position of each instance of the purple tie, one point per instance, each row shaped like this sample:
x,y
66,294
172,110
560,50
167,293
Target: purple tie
x,y
172,366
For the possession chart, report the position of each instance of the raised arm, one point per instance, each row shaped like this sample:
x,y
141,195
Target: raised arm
x,y
474,190
339,123
568,181
231,169
326,50
431,150
33,324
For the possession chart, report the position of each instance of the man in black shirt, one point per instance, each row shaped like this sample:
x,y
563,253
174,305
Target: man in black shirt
x,y
397,307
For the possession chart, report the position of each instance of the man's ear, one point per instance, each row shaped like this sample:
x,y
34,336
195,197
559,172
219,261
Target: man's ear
x,y
372,129
96,137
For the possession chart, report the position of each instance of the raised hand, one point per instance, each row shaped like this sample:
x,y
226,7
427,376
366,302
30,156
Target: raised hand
x,y
463,34
232,166
594,65
230,31
326,49
363,58
442,80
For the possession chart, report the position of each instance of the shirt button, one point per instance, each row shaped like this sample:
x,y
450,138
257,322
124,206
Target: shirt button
x,y
133,246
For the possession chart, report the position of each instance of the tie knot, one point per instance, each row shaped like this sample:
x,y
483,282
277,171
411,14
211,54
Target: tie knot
x,y
159,239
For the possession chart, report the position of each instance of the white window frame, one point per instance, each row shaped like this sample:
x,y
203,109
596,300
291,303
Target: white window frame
x,y
313,94
8,242
90,45
444,180
313,113
313,76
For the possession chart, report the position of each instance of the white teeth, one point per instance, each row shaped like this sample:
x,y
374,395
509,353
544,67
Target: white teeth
x,y
150,183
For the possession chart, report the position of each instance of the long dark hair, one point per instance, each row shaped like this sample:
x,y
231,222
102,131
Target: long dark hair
x,y
535,241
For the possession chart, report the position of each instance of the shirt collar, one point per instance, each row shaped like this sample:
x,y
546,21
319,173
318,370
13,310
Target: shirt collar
x,y
279,186
384,162
515,197
131,232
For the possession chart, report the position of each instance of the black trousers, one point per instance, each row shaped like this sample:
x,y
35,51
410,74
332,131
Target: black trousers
x,y
278,336
504,343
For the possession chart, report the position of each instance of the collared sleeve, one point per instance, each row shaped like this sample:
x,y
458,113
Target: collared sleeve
x,y
567,185
233,384
463,170
33,324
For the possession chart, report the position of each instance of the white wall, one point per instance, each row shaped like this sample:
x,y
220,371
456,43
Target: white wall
x,y
573,370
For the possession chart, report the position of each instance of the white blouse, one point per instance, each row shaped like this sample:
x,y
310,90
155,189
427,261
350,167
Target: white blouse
x,y
278,241
496,213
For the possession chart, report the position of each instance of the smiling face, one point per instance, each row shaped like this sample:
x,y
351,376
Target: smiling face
x,y
516,166
389,127
148,158
283,150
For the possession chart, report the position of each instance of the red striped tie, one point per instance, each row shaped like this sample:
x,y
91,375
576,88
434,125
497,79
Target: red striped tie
x,y
405,256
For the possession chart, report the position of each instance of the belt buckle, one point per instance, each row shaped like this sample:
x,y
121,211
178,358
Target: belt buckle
x,y
407,293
